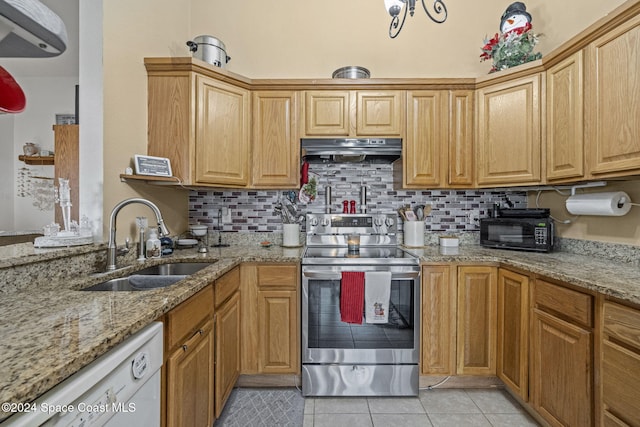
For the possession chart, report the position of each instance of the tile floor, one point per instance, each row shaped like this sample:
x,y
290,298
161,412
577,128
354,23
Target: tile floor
x,y
438,407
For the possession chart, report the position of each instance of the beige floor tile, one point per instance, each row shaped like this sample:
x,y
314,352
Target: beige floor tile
x,y
309,406
307,421
400,420
511,420
341,405
447,401
395,405
494,401
459,420
340,420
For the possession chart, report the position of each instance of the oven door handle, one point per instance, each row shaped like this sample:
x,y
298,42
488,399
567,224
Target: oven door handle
x,y
338,276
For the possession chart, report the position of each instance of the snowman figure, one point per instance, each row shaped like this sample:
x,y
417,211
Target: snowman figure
x,y
515,42
515,18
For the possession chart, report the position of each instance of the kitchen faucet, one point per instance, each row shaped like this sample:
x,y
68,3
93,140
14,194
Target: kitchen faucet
x,y
111,247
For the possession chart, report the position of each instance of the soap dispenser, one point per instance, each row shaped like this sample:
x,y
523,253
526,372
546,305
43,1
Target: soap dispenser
x,y
153,244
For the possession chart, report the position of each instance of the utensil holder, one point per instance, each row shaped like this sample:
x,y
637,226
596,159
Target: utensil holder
x,y
414,233
291,235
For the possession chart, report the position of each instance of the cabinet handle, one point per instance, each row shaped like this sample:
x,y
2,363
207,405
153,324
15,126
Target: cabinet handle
x,y
197,333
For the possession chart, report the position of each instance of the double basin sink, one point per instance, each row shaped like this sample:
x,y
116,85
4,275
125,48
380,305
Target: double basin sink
x,y
157,276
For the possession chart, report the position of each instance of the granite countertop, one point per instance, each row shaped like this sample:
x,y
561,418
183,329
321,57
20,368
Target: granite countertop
x,y
52,329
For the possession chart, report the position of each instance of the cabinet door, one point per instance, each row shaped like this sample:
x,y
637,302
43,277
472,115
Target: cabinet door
x,y
278,332
612,109
438,321
380,113
222,133
326,113
565,105
508,146
424,148
513,331
227,356
477,320
190,381
275,142
461,128
562,369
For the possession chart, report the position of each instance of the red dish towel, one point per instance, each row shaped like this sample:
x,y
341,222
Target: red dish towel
x,y
352,296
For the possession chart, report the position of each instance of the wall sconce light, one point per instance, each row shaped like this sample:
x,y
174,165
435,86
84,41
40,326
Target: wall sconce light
x,y
394,7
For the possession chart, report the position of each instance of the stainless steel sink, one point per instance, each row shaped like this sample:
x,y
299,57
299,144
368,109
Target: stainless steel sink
x,y
157,276
174,268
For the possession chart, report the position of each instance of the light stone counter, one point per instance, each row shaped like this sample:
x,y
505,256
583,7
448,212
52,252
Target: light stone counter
x,y
49,329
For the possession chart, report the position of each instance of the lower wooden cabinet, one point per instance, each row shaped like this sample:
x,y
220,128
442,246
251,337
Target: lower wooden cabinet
x,y
513,331
227,350
562,355
476,325
270,341
620,366
189,368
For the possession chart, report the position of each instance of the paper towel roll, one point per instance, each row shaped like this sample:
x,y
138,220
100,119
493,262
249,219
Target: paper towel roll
x,y
615,203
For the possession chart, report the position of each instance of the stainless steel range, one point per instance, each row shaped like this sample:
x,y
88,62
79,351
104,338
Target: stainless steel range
x,y
360,308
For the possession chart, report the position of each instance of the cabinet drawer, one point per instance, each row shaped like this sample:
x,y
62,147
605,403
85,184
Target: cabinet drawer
x,y
278,275
226,285
622,323
185,318
564,302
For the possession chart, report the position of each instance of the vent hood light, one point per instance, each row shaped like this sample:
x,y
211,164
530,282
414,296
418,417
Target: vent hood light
x,y
351,150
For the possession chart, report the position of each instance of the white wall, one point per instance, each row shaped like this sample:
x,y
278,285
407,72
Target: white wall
x,y
6,172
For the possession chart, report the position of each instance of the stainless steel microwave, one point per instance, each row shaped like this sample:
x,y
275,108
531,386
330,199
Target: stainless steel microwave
x,y
520,229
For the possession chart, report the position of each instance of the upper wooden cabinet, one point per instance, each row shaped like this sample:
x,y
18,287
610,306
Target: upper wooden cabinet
x,y
612,86
509,138
276,144
222,133
565,106
364,113
200,123
438,148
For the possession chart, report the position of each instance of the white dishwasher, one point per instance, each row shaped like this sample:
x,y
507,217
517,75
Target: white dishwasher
x,y
120,388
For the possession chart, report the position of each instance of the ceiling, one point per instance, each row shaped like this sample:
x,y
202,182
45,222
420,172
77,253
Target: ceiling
x,y
65,65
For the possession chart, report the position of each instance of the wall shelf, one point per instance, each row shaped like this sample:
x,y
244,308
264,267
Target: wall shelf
x,y
150,179
37,160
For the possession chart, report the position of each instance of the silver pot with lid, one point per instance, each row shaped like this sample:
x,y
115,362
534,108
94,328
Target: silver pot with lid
x,y
209,49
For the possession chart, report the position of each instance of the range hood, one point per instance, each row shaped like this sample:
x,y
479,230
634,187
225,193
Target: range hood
x,y
29,29
376,150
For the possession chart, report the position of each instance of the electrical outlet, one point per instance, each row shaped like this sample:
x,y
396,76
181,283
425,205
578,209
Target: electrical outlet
x,y
226,215
473,217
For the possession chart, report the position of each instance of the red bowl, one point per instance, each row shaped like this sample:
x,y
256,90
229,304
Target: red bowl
x,y
12,99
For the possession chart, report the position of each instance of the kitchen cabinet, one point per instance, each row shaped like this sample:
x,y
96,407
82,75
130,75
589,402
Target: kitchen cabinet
x,y
508,133
438,149
564,120
513,331
476,320
201,124
189,362
438,334
619,365
612,82
425,147
561,383
227,336
270,318
276,144
332,113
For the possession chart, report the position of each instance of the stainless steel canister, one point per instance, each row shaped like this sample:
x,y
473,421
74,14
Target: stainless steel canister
x,y
209,49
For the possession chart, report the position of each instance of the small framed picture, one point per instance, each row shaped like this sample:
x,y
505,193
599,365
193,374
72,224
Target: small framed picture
x,y
154,166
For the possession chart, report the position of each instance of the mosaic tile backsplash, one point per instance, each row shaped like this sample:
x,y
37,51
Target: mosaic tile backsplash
x,y
252,211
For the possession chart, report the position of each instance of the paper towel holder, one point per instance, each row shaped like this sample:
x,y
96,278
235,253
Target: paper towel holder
x,y
587,185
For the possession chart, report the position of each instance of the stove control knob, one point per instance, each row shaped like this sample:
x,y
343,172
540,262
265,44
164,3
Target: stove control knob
x,y
313,221
325,222
389,221
379,221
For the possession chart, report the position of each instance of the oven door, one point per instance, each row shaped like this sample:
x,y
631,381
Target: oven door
x,y
328,340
